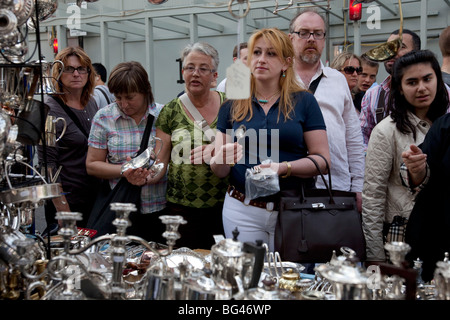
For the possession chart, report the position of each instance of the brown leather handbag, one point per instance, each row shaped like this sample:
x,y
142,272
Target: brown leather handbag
x,y
315,222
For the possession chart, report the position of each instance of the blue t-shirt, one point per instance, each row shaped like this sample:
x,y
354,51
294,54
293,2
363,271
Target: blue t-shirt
x,y
268,137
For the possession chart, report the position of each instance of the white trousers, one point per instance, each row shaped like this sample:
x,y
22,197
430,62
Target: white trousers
x,y
253,223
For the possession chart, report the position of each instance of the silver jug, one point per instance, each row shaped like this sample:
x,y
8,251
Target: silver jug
x,y
47,86
160,283
230,263
51,137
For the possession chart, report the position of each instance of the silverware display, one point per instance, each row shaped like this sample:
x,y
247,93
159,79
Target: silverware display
x,y
119,266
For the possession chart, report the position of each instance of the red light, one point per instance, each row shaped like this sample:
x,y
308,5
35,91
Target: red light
x,y
354,11
55,45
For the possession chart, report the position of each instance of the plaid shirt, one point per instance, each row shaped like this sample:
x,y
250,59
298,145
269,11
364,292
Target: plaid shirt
x,y
369,105
121,136
404,175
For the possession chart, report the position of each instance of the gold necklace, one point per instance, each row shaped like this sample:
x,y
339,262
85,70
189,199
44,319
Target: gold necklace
x,y
266,100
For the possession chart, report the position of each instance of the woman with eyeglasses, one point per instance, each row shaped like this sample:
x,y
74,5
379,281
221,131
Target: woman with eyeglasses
x,y
186,126
417,98
349,65
73,101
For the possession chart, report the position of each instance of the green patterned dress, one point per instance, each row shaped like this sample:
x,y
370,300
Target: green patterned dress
x,y
190,185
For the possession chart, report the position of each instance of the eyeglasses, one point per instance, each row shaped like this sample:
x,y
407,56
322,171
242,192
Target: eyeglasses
x,y
350,70
202,71
305,34
81,70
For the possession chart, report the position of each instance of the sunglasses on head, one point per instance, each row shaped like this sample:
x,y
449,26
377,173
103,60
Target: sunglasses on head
x,y
350,70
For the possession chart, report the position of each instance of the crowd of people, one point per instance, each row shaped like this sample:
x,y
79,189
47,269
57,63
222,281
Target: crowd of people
x,y
387,143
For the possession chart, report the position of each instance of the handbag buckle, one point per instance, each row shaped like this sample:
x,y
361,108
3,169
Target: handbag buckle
x,y
318,205
270,206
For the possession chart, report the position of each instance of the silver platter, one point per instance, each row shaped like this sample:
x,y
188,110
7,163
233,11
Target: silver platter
x,y
31,194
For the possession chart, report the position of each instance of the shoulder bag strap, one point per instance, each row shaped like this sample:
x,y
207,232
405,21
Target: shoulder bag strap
x,y
313,86
380,106
72,115
104,93
197,116
146,135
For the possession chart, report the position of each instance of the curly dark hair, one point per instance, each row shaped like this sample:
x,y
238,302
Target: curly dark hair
x,y
399,107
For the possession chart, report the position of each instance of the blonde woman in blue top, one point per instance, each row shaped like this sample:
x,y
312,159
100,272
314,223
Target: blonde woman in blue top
x,y
279,107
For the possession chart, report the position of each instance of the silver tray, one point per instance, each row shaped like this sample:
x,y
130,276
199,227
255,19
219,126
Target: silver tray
x,y
184,255
31,194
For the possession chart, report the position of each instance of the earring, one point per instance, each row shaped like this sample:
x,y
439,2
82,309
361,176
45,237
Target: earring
x,y
284,74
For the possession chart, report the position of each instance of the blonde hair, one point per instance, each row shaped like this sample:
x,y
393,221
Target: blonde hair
x,y
339,61
288,84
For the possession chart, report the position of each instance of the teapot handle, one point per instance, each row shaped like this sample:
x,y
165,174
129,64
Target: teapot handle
x,y
64,127
62,68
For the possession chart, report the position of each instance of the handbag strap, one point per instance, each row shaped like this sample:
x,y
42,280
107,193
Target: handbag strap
x,y
71,115
327,185
209,133
328,168
313,85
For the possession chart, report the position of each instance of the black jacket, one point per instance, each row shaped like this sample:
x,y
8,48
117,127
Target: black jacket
x,y
428,229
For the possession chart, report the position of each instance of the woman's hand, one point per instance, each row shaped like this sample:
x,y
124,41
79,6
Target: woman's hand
x,y
274,166
415,160
137,176
416,163
202,154
229,153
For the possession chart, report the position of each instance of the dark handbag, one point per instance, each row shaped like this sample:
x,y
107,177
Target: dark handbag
x,y
317,221
102,216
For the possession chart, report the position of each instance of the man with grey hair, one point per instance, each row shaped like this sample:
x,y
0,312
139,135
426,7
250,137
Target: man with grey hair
x,y
307,31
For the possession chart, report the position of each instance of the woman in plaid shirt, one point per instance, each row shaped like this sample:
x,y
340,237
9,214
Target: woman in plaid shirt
x,y
115,137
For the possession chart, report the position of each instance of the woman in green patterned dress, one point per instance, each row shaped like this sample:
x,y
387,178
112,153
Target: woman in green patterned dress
x,y
193,190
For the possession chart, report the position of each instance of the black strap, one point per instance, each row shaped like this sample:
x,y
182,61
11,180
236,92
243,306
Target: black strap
x,y
380,112
146,135
104,93
327,185
72,115
313,86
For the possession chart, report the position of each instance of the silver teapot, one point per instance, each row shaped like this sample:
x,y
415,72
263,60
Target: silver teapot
x,y
47,86
349,281
231,263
